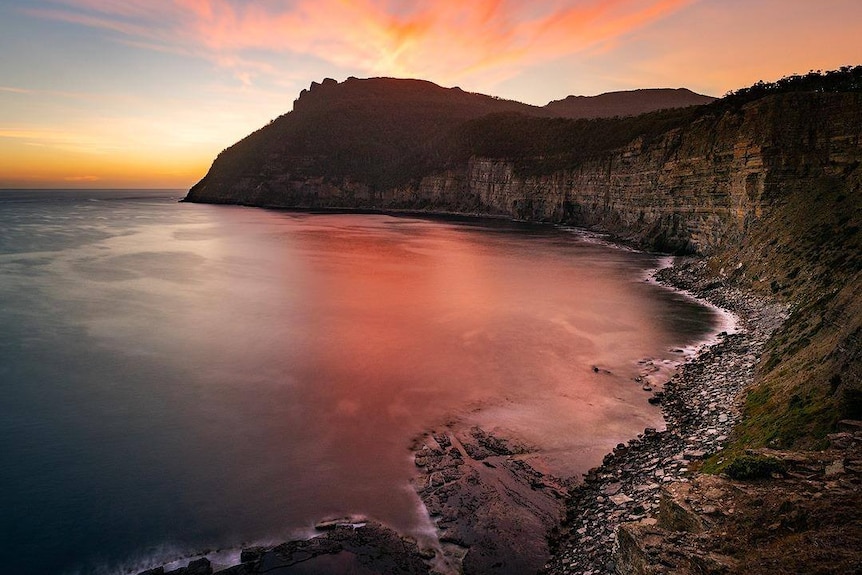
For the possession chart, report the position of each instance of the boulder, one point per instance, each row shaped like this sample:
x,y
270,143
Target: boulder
x,y
251,554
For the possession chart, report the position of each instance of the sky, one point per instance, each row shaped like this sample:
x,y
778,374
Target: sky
x,y
145,93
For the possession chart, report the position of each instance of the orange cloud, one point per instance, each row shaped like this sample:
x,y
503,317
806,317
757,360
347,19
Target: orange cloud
x,y
445,40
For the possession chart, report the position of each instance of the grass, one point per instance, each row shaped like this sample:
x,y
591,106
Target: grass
x,y
807,252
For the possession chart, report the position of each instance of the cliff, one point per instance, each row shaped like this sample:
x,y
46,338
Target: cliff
x,y
386,143
343,143
675,181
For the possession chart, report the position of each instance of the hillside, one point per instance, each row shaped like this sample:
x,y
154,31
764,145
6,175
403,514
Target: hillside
x,y
379,133
370,136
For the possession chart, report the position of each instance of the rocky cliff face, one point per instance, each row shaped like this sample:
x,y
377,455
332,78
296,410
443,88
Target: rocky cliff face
x,y
694,188
690,189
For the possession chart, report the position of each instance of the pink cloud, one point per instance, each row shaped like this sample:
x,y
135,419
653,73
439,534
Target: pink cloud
x,y
445,40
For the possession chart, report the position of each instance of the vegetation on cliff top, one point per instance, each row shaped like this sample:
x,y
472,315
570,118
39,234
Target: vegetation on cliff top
x,y
537,146
844,79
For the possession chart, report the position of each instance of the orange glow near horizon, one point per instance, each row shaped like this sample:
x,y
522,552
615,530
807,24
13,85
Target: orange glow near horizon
x,y
34,167
147,92
115,154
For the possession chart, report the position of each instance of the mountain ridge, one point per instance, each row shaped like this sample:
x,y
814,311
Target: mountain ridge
x,y
383,133
626,102
607,104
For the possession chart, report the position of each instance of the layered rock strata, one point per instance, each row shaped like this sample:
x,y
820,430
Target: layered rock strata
x,y
693,188
699,188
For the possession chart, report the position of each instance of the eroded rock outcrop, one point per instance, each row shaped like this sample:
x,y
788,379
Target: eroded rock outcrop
x,y
369,548
804,519
491,507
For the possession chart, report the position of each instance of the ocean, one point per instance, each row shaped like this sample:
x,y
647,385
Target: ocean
x,y
178,377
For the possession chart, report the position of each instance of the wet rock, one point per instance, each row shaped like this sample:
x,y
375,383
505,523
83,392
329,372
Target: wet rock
x,y
372,548
200,566
442,440
333,522
493,510
251,554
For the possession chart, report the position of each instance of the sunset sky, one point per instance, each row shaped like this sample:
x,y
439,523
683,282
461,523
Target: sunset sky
x,y
145,93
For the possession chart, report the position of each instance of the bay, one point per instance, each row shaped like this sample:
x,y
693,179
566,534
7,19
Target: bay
x,y
179,377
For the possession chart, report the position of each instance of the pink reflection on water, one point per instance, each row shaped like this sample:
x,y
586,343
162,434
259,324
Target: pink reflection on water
x,y
331,341
414,323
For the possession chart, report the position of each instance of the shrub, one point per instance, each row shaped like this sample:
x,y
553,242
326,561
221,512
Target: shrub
x,y
748,467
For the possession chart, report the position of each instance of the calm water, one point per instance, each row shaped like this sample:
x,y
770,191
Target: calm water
x,y
177,377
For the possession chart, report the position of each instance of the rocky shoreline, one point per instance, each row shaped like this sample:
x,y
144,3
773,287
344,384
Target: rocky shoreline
x,y
495,513
701,405
491,507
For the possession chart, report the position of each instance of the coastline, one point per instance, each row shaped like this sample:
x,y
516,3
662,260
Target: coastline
x,y
450,475
701,405
791,226
700,397
469,479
